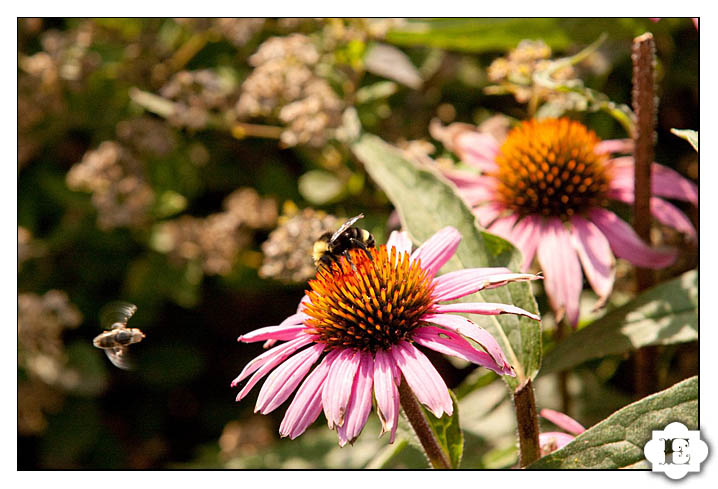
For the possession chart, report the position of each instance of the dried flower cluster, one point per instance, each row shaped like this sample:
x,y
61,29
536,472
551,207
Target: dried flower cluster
x,y
27,247
41,322
284,85
514,73
216,240
116,179
197,96
288,251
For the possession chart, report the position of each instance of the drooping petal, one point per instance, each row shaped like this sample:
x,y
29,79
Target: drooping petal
x,y
399,240
338,387
484,308
360,402
386,392
563,421
526,235
284,379
665,182
670,215
463,326
273,356
281,333
438,249
477,193
626,244
450,343
426,383
596,257
454,285
486,214
307,404
562,270
477,149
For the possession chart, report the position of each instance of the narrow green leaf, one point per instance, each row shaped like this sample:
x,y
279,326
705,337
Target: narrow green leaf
x,y
426,203
617,441
662,315
689,135
448,432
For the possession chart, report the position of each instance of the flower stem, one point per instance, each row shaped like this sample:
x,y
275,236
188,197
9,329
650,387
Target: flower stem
x,y
437,457
561,333
527,422
644,108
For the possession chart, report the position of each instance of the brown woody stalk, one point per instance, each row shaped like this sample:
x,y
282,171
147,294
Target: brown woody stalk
x,y
644,106
412,409
527,422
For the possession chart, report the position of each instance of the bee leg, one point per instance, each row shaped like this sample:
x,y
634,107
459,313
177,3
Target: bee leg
x,y
360,244
349,259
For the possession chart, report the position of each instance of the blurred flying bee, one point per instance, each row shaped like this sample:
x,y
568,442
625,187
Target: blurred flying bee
x,y
329,248
117,339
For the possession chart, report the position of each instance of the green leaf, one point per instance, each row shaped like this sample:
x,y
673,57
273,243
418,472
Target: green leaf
x,y
426,203
448,432
478,35
617,441
662,315
689,135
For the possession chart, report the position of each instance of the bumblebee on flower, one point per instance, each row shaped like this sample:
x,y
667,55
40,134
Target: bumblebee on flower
x,y
363,320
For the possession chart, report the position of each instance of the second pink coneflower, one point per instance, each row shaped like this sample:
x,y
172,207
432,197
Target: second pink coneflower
x,y
546,189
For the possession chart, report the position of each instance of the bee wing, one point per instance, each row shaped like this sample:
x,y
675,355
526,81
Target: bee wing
x,y
346,226
116,314
118,357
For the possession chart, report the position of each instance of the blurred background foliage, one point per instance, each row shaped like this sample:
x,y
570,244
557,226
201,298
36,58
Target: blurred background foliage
x,y
186,166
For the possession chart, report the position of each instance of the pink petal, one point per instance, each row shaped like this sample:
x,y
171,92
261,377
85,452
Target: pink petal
x,y
284,379
665,182
307,404
503,226
562,270
450,343
273,356
360,402
615,146
563,421
626,244
596,256
338,387
463,326
386,393
526,235
281,333
670,215
695,21
554,440
477,149
424,380
438,249
454,285
484,308
477,194
486,214
663,211
399,240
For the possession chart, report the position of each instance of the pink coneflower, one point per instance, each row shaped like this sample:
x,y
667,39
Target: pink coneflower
x,y
546,189
366,322
553,440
